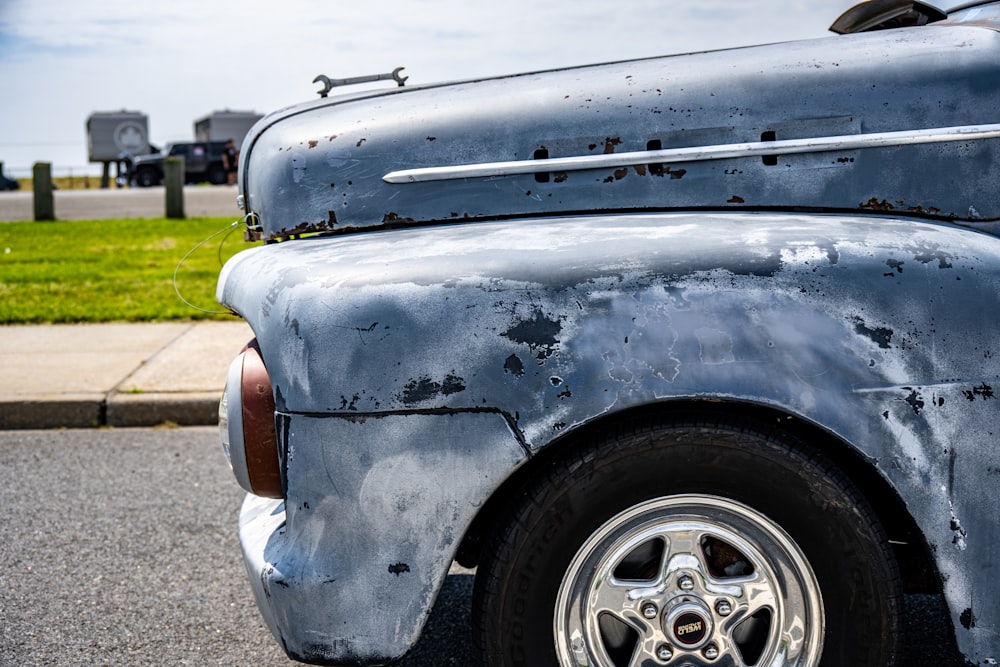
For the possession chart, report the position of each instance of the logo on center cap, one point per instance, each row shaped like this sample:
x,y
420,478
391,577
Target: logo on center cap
x,y
690,628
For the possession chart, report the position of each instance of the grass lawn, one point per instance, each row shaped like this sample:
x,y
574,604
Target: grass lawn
x,y
112,270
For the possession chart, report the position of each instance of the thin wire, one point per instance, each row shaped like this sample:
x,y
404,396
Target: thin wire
x,y
227,230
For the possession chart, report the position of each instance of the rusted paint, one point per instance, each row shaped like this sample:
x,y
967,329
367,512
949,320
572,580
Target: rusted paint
x,y
836,101
875,204
788,311
306,228
386,351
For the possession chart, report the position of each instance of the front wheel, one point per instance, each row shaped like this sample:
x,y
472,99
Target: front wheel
x,y
688,544
146,177
217,174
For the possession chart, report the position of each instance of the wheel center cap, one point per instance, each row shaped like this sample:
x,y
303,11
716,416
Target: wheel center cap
x,y
689,626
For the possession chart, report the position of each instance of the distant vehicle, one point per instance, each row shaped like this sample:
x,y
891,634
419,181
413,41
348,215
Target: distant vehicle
x,y
7,183
693,358
202,162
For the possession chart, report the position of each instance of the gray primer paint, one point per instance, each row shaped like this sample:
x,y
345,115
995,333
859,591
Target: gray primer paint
x,y
878,330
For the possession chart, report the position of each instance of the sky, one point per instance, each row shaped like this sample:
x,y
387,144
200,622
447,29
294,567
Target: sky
x,y
181,60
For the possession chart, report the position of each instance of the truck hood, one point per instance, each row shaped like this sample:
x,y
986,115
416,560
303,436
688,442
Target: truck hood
x,y
898,120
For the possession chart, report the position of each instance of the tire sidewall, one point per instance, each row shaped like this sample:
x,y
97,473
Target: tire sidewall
x,y
809,499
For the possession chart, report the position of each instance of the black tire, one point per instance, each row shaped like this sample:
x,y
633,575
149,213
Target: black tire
x,y
757,503
145,178
217,174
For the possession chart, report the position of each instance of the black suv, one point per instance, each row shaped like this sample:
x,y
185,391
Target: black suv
x,y
202,162
7,183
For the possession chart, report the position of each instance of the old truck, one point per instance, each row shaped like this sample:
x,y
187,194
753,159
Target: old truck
x,y
694,358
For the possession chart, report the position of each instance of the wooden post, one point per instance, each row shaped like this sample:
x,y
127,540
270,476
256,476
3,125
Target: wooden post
x,y
41,179
173,179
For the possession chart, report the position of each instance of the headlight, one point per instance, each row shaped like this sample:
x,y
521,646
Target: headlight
x,y
246,425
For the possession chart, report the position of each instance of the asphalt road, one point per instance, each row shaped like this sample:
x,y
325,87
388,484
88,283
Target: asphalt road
x,y
118,547
96,204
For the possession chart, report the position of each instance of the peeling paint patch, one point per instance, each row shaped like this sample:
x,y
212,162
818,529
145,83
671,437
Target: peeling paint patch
x,y
960,534
928,256
398,568
425,389
539,334
878,335
514,366
915,400
983,391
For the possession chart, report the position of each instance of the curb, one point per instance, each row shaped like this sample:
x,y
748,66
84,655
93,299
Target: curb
x,y
114,410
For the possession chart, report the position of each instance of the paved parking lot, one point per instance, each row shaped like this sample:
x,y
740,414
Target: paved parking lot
x,y
119,548
199,201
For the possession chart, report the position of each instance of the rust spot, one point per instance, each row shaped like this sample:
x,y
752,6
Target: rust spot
x,y
591,147
431,138
332,137
610,144
620,174
675,174
930,210
640,169
360,141
735,199
559,176
313,143
392,216
875,204
331,219
304,228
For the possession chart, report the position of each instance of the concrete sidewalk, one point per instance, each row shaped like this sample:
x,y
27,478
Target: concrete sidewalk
x,y
87,375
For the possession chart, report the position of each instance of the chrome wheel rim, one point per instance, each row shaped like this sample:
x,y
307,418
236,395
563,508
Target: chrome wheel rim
x,y
689,580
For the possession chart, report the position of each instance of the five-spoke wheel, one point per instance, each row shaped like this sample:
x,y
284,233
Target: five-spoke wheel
x,y
689,541
689,580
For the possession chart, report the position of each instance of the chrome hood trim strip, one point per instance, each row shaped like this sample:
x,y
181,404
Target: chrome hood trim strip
x,y
697,153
